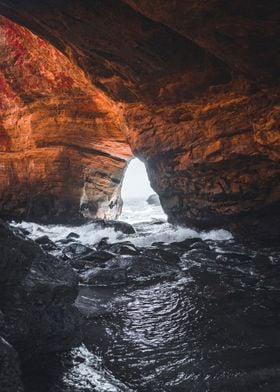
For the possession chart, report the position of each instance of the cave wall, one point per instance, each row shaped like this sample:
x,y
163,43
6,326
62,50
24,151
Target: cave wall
x,y
56,132
190,88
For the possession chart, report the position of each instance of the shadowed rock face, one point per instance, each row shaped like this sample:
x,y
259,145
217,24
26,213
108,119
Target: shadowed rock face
x,y
190,88
37,314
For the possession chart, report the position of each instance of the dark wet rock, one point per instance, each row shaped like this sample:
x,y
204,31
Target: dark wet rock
x,y
78,264
49,247
24,231
76,250
126,268
123,227
260,316
37,296
98,256
140,266
66,241
221,259
186,244
157,222
121,248
159,244
200,245
73,235
200,256
261,260
236,257
165,255
46,243
204,277
103,243
153,200
124,248
104,277
43,240
21,232
93,259
10,374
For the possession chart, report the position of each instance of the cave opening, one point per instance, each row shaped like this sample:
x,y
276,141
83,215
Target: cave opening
x,y
136,183
89,302
140,202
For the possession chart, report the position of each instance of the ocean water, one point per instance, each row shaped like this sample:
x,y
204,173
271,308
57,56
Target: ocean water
x,y
212,326
149,221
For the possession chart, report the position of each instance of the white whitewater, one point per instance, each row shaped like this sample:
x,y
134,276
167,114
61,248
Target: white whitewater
x,y
149,221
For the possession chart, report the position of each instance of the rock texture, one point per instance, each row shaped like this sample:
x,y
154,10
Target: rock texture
x,y
190,88
153,199
9,368
55,134
36,306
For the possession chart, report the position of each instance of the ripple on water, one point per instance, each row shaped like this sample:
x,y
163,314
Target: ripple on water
x,y
212,326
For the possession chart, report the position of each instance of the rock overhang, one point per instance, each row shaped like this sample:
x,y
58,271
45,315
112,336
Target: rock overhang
x,y
183,87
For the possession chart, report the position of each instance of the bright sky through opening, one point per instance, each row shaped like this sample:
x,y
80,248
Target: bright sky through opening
x,y
136,183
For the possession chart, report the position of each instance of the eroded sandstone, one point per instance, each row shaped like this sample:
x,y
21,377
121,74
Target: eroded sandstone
x,y
190,89
56,134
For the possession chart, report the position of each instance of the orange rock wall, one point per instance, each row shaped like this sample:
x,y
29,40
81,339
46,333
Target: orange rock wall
x,y
192,88
56,132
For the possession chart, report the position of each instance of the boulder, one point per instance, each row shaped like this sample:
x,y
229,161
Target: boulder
x,y
185,244
10,374
104,277
76,250
97,256
166,256
124,248
73,235
140,267
46,243
121,226
37,296
153,200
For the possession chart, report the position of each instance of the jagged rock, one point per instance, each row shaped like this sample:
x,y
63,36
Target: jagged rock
x,y
43,240
186,244
194,95
153,199
37,296
21,232
98,256
123,227
76,250
46,243
104,277
73,235
200,245
123,248
122,269
159,244
103,243
66,241
91,260
166,256
138,267
10,374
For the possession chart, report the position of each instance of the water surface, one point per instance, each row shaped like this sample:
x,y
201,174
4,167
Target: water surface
x,y
214,325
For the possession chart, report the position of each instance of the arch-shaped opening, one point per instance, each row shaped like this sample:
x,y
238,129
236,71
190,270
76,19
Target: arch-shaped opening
x,y
136,183
140,202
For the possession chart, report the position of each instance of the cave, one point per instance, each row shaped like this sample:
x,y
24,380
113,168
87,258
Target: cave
x,y
204,120
191,90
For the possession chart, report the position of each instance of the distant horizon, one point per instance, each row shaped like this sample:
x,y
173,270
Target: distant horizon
x,y
136,184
